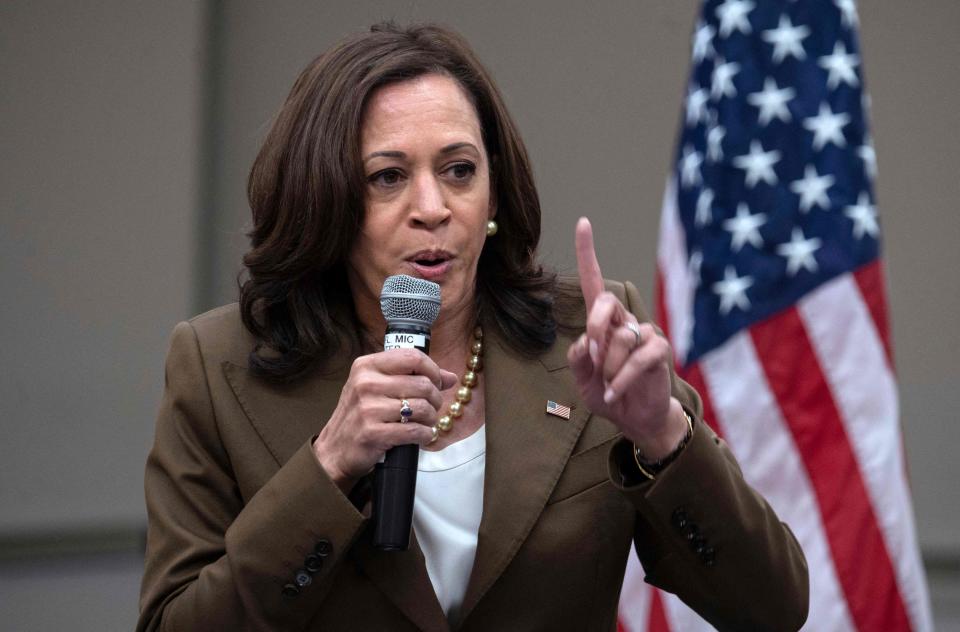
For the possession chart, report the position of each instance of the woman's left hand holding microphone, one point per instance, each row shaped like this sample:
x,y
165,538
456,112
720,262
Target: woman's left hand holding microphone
x,y
622,367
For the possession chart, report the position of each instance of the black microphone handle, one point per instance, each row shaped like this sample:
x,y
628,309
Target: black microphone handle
x,y
395,479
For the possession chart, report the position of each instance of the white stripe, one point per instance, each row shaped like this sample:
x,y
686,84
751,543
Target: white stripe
x,y
678,284
754,427
852,358
681,618
634,608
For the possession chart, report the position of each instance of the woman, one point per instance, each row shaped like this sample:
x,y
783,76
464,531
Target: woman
x,y
394,154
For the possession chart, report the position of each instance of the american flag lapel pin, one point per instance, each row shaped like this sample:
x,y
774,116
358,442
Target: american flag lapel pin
x,y
558,410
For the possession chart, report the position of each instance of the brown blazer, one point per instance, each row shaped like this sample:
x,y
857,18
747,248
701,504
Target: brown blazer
x,y
238,505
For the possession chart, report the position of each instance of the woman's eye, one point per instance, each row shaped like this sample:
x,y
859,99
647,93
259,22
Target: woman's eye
x,y
462,170
386,178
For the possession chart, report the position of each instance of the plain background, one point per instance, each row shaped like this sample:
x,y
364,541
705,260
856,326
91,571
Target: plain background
x,y
126,133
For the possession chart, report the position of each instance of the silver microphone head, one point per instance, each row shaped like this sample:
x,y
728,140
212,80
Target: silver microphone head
x,y
409,300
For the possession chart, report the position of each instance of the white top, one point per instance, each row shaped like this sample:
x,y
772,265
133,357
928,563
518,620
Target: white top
x,y
446,515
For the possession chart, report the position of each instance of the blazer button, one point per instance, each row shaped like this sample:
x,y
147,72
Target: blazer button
x,y
692,532
290,591
323,548
679,518
303,578
709,556
313,563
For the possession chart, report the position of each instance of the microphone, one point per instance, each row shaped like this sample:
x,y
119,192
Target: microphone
x,y
410,306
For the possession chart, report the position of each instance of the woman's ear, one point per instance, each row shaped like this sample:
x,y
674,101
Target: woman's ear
x,y
494,162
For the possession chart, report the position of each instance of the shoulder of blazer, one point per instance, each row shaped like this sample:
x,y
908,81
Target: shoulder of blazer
x,y
222,337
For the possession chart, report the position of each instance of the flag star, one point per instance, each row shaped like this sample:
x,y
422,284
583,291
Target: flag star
x,y
840,66
812,189
690,167
715,143
733,16
758,164
722,84
827,127
745,228
702,42
849,10
697,105
733,291
787,39
864,216
696,262
869,158
799,252
704,214
772,101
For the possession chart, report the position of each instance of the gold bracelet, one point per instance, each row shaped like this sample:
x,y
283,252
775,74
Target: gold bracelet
x,y
665,461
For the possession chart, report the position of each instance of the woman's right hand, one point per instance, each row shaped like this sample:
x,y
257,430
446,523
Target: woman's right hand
x,y
365,423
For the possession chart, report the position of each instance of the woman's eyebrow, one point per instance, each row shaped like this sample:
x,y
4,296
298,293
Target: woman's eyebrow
x,y
449,149
385,154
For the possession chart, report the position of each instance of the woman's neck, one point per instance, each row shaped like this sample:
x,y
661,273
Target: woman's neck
x,y
451,336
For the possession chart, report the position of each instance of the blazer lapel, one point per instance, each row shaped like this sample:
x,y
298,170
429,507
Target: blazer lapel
x,y
286,416
527,450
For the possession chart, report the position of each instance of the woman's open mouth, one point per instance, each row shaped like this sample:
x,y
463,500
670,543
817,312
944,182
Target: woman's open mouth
x,y
431,264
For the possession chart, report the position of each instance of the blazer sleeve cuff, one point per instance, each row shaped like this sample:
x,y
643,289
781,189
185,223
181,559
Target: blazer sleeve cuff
x,y
289,539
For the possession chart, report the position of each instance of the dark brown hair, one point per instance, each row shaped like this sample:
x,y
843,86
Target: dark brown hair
x,y
306,192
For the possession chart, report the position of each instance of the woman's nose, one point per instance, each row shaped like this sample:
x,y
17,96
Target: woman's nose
x,y
429,206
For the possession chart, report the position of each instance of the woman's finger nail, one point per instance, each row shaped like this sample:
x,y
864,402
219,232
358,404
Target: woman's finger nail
x,y
609,395
594,350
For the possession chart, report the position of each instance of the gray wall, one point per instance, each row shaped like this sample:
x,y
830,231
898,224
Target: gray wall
x,y
127,130
99,131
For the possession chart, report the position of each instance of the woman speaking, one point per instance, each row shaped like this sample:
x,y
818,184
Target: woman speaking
x,y
553,431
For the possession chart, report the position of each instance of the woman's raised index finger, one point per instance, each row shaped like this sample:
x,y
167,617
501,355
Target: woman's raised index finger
x,y
591,279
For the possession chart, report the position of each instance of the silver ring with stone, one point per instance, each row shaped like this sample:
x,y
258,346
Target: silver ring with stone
x,y
635,328
405,411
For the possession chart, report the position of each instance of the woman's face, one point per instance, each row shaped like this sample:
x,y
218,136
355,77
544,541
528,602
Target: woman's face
x,y
427,196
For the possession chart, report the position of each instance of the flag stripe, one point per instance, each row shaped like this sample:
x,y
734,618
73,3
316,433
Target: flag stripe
x,y
658,618
758,436
678,287
694,377
691,374
872,287
855,365
635,596
680,617
793,372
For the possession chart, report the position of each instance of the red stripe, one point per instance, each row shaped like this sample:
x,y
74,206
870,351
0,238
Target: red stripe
x,y
860,556
870,280
657,619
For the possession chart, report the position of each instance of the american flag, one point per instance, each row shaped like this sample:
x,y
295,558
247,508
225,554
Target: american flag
x,y
771,291
558,410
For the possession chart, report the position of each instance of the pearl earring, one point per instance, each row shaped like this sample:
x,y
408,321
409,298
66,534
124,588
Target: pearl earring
x,y
491,228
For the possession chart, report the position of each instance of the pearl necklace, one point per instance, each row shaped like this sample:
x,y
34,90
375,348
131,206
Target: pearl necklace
x,y
468,381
